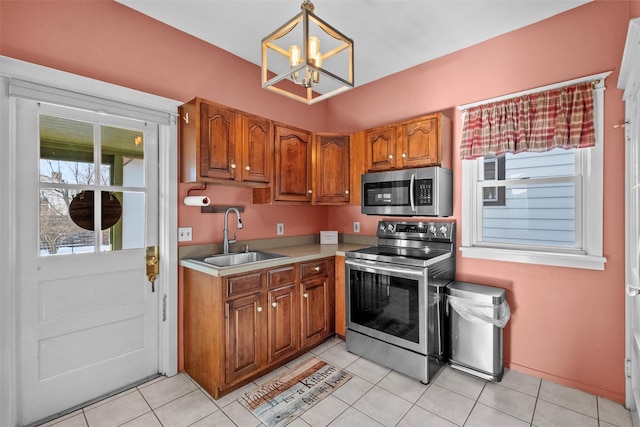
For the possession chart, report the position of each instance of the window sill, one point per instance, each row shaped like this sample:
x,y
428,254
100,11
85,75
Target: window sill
x,y
587,262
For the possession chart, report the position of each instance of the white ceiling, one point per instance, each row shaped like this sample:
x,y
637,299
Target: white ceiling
x,y
388,35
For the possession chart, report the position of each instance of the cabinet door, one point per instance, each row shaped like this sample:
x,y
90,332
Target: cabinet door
x,y
217,141
244,322
293,165
283,320
420,145
332,169
317,316
256,149
381,149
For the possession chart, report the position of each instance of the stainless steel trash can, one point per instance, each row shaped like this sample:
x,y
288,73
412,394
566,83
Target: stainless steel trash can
x,y
475,341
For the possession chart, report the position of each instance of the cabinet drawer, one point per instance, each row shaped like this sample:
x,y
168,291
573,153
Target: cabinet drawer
x,y
244,283
281,276
320,267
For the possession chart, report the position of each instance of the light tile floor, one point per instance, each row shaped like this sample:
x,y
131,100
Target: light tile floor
x,y
374,396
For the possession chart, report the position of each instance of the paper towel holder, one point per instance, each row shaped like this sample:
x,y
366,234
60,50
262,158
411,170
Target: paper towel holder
x,y
203,200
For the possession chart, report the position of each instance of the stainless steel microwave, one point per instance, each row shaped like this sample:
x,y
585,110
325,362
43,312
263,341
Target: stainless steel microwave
x,y
408,192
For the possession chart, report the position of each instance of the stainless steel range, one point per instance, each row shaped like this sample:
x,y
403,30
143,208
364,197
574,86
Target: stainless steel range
x,y
395,296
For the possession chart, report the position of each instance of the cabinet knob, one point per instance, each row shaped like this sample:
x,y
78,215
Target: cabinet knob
x,y
233,165
259,309
317,268
390,156
404,155
274,304
309,191
247,168
306,295
346,191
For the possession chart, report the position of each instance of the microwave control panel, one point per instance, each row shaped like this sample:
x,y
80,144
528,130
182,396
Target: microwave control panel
x,y
424,196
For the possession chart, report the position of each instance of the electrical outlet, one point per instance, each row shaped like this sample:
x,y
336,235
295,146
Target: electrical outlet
x,y
280,229
184,234
356,227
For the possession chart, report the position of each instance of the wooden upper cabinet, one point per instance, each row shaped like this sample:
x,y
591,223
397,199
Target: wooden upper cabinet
x,y
419,142
426,142
293,152
381,148
256,149
217,141
331,185
221,145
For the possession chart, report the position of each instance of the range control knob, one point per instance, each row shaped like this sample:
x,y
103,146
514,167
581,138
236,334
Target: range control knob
x,y
390,228
382,227
433,229
444,230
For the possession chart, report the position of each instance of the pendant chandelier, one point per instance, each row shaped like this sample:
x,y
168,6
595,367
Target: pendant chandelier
x,y
306,59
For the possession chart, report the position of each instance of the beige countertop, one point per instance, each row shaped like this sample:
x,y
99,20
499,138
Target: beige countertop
x,y
298,253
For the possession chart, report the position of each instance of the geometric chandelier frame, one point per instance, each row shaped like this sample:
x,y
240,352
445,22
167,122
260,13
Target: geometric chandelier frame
x,y
307,59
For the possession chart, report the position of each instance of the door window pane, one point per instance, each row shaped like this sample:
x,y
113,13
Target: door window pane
x,y
119,148
58,233
129,231
70,221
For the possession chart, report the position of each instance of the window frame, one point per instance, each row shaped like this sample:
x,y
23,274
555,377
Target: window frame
x,y
589,201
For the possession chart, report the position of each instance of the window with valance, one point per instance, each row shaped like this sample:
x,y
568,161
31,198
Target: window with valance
x,y
532,176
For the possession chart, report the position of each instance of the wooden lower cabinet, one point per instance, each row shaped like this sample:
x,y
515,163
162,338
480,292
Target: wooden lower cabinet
x,y
238,328
317,321
283,315
243,337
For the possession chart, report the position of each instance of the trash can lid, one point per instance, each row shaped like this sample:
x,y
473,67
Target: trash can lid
x,y
477,292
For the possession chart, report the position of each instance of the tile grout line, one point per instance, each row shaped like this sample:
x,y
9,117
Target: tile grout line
x,y
147,402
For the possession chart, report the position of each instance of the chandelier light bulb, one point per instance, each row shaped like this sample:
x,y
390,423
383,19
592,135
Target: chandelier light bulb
x,y
314,47
294,55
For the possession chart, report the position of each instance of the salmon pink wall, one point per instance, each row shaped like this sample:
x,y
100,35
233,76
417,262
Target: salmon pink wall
x,y
259,221
107,41
567,324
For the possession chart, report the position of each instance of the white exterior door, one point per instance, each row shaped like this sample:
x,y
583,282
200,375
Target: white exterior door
x,y
630,82
88,209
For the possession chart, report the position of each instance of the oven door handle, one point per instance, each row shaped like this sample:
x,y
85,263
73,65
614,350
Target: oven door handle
x,y
378,267
411,195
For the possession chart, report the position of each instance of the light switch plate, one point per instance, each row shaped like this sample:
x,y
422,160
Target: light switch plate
x,y
184,234
280,229
356,227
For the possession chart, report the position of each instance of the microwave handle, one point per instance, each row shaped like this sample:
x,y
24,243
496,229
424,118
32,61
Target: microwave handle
x,y
413,180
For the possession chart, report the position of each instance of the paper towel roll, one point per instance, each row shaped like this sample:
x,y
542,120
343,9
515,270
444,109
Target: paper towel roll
x,y
197,201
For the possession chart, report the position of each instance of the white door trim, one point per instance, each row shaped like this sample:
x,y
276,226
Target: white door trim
x,y
167,281
629,81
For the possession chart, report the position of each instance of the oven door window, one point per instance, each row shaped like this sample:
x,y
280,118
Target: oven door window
x,y
388,307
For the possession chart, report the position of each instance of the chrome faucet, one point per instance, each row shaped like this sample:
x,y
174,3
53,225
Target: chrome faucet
x,y
226,241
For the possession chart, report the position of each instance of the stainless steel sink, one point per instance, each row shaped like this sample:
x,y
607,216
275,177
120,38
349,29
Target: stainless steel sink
x,y
239,258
